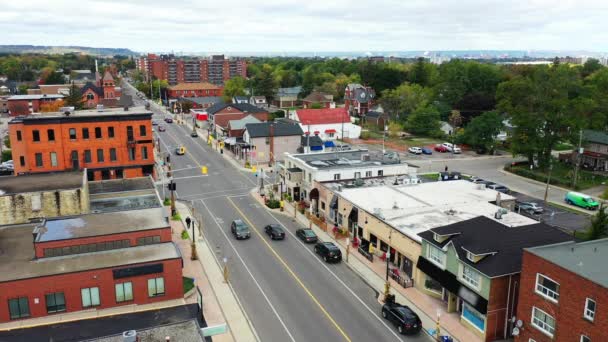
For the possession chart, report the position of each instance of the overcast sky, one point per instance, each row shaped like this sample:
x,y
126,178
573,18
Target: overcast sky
x,y
309,25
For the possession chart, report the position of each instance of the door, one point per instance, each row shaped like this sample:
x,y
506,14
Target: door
x,y
105,174
75,162
119,173
407,267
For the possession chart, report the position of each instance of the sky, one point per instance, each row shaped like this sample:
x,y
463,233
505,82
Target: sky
x,y
310,25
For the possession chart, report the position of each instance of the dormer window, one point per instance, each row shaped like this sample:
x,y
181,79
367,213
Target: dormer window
x,y
471,257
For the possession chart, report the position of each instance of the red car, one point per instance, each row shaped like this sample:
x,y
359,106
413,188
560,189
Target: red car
x,y
440,148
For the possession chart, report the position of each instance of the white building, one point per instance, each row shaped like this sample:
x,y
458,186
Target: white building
x,y
327,123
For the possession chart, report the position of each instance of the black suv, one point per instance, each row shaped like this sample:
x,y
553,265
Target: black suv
x,y
275,231
306,235
328,251
240,230
406,320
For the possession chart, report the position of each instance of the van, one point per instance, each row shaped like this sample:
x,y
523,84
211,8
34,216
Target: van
x,y
581,200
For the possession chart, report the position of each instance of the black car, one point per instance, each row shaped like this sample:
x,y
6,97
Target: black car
x,y
194,134
240,230
306,235
328,251
169,119
275,231
406,320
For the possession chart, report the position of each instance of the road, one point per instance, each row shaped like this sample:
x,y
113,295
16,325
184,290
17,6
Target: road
x,y
286,290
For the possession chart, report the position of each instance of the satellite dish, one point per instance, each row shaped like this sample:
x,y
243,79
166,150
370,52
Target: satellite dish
x,y
515,332
519,323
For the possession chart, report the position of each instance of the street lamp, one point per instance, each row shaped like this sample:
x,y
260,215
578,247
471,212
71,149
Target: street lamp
x,y
387,285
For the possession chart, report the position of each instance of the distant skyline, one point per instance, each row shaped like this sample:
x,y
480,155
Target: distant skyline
x,y
287,26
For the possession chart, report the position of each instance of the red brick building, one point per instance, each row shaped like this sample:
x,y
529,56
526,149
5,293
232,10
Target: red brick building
x,y
564,293
358,99
109,144
28,104
200,89
221,114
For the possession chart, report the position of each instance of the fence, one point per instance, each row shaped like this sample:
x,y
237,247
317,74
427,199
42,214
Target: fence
x,y
404,282
366,254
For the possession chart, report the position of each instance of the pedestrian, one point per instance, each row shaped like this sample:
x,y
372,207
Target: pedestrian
x,y
188,220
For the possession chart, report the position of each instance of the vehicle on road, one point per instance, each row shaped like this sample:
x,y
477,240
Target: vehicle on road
x,y
328,251
161,128
427,150
240,230
528,207
8,164
307,235
581,200
275,231
154,123
441,148
498,187
415,150
180,150
169,119
194,134
406,320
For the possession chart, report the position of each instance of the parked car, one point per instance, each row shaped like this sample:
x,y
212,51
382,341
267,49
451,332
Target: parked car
x,y
426,150
240,230
328,251
154,123
498,187
169,119
440,148
529,207
581,200
180,150
451,147
275,231
161,128
306,235
415,150
8,164
406,320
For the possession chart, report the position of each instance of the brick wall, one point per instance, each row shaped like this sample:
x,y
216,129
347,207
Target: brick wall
x,y
498,306
17,208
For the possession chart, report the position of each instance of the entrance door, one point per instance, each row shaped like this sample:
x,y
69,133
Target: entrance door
x,y
105,174
75,162
119,173
407,266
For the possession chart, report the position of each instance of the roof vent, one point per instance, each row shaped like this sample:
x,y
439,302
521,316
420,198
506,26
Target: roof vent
x,y
100,108
129,336
395,206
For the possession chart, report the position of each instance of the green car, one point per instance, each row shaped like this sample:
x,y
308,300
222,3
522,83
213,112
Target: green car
x,y
581,200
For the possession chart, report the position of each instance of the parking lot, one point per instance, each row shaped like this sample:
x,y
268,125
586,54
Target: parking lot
x,y
556,216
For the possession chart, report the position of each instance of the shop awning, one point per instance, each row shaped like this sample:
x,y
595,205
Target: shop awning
x,y
316,148
230,141
317,132
330,131
329,144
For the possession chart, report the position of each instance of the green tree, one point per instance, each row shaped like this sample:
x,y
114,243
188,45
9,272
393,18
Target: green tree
x,y
424,121
599,224
74,98
481,132
591,65
50,76
234,87
405,99
394,128
422,73
264,83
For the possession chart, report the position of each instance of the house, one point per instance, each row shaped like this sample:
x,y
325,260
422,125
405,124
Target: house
x,y
358,99
446,128
311,144
236,128
563,294
201,102
269,141
595,152
199,89
321,99
240,99
258,101
377,118
220,114
28,104
474,266
287,97
92,95
327,123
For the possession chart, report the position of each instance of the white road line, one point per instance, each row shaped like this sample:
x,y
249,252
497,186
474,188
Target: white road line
x,y
219,191
337,278
250,274
187,177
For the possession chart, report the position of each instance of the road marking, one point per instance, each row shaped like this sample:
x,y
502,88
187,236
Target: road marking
x,y
291,272
218,191
187,177
250,274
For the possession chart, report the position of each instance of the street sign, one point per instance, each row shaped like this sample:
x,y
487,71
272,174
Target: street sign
x,y
215,330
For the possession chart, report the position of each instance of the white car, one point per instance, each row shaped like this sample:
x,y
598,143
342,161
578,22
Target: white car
x,y
451,148
415,150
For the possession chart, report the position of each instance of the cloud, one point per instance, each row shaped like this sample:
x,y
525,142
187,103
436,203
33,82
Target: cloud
x,y
312,25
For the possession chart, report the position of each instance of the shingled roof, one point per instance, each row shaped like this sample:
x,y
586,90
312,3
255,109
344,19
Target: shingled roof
x,y
262,129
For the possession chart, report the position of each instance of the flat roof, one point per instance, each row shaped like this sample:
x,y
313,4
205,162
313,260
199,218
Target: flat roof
x,y
41,182
119,185
85,113
35,97
587,259
102,224
347,159
17,250
188,331
413,209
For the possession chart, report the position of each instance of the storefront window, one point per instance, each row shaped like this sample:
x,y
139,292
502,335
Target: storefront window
x,y
475,318
432,285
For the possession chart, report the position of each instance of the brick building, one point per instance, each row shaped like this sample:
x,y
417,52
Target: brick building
x,y
28,104
199,89
564,293
111,144
222,113
358,99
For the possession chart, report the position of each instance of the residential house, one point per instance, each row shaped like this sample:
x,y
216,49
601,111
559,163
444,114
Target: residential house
x,y
358,99
287,97
258,101
563,294
201,102
595,152
321,99
377,118
199,89
28,104
240,99
328,123
474,266
220,114
269,141
236,128
446,128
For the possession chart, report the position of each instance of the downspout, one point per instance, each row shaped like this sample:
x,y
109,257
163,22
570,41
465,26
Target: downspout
x,y
507,315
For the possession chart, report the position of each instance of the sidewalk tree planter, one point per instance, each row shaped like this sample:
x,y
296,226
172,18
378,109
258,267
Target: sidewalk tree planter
x,y
167,201
185,235
176,217
188,284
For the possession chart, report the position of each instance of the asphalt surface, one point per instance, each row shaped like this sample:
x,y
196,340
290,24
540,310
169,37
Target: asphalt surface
x,y
288,292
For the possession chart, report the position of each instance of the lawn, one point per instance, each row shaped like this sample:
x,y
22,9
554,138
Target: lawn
x,y
188,284
563,147
561,175
430,176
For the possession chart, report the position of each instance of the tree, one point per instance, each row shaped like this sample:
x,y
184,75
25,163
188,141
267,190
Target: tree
x,y
48,107
424,121
186,106
51,76
394,128
234,87
455,118
481,132
316,105
422,72
405,99
599,224
74,98
264,84
591,65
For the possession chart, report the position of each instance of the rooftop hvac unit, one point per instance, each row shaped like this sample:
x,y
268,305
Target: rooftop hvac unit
x,y
481,186
129,336
100,108
366,157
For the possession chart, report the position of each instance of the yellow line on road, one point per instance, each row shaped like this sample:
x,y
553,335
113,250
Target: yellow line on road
x,y
292,273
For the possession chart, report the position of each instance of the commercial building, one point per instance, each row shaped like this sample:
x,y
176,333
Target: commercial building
x,y
595,152
113,143
563,294
28,104
269,141
198,89
222,113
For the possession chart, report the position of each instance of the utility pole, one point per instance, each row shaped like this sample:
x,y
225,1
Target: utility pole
x,y
172,188
548,181
271,138
387,286
579,152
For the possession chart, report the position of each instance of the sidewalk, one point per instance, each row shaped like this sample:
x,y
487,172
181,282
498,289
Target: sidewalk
x,y
220,304
374,275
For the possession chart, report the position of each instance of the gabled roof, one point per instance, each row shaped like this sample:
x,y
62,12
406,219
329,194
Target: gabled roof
x,y
361,93
243,107
319,97
108,76
259,98
597,137
203,100
194,86
374,114
482,235
322,116
313,140
240,124
257,130
89,85
241,98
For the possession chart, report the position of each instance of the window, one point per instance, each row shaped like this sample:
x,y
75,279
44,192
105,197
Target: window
x,y
336,176
38,159
53,159
87,156
142,130
36,200
88,248
36,135
357,175
542,321
72,133
144,153
18,135
90,96
50,133
85,133
547,287
474,317
589,309
436,255
19,307
124,292
368,173
111,132
148,240
322,205
585,338
432,285
470,256
380,173
22,160
97,132
470,276
112,154
55,302
90,297
156,287
130,132
99,155
131,153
